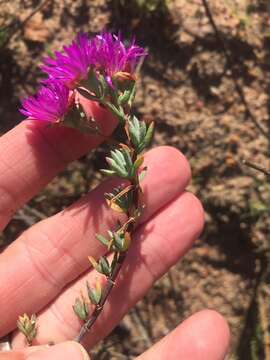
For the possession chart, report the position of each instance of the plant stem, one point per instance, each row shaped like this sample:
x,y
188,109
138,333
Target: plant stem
x,y
256,167
120,257
106,292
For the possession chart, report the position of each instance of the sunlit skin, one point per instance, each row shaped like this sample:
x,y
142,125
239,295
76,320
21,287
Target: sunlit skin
x,y
47,266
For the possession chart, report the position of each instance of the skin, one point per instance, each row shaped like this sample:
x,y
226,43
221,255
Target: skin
x,y
45,269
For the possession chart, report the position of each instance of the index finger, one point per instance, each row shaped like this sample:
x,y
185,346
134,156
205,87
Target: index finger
x,y
32,153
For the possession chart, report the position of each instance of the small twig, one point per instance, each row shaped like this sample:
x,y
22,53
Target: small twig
x,y
37,9
29,219
140,326
245,333
106,292
256,167
21,215
35,212
229,60
19,25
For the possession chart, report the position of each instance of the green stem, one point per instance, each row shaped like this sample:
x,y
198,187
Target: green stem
x,y
105,294
118,256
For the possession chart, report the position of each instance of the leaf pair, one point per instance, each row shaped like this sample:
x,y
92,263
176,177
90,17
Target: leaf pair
x,y
120,199
140,134
121,164
102,266
117,242
81,308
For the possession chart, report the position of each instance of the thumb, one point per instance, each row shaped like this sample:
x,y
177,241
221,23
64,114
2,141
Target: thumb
x,y
69,350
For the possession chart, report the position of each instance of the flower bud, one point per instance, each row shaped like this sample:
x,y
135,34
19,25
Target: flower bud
x,y
27,325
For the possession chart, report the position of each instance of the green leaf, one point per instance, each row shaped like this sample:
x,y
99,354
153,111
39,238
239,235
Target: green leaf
x,y
107,172
138,162
134,131
94,295
102,240
118,241
132,94
121,163
149,134
81,309
121,241
94,263
124,98
142,130
140,135
118,157
76,119
128,160
114,262
93,84
119,170
105,268
118,112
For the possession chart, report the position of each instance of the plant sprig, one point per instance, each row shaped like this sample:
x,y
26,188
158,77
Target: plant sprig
x,y
100,69
124,162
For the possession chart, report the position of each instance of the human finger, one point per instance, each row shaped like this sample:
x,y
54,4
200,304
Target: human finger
x,y
203,336
36,267
32,153
69,351
156,246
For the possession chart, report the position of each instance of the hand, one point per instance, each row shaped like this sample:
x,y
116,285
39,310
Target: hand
x,y
44,270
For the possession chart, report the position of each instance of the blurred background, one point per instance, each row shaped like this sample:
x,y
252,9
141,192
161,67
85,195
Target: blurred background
x,y
206,83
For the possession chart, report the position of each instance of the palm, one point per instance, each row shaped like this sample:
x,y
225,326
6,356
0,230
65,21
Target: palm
x,y
44,270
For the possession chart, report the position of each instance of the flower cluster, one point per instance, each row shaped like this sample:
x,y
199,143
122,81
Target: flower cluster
x,y
104,59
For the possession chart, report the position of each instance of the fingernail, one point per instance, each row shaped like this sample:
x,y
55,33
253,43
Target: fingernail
x,y
69,350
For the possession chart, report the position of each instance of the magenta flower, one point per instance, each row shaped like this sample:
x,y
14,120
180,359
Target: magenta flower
x,y
113,58
71,66
50,104
106,53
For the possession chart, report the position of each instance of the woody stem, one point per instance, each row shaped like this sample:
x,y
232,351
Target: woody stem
x,y
118,256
